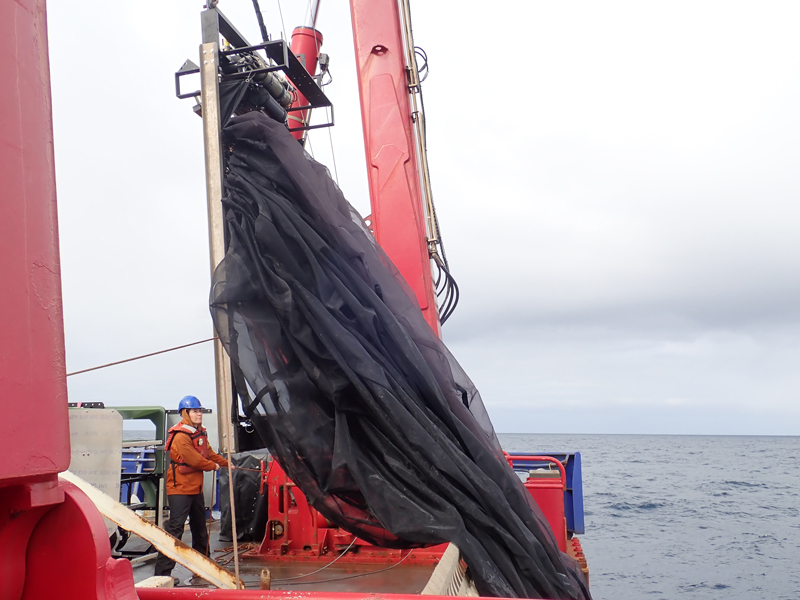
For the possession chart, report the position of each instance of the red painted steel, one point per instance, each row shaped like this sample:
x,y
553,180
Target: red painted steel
x,y
188,593
297,531
32,367
21,508
549,496
294,528
306,43
398,215
53,542
533,457
69,555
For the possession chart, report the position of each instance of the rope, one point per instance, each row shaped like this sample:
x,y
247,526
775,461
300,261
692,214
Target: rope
x,y
321,568
234,533
119,362
284,32
308,139
327,118
397,564
333,152
229,550
246,469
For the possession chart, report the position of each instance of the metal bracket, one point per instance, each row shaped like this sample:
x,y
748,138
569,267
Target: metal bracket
x,y
188,68
328,123
216,24
285,61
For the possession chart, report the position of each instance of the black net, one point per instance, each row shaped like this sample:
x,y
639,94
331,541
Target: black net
x,y
251,510
357,398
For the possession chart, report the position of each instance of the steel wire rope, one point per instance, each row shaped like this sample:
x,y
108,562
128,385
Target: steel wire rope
x,y
310,149
440,241
312,11
333,152
421,52
119,362
306,120
327,117
389,568
247,469
321,568
280,12
234,534
452,295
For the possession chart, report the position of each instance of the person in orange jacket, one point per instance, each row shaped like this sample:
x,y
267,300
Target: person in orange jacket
x,y
190,455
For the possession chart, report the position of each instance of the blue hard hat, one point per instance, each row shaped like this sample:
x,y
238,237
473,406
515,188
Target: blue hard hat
x,y
189,402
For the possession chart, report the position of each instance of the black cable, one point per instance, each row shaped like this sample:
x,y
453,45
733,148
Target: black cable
x,y
451,298
438,277
424,69
261,26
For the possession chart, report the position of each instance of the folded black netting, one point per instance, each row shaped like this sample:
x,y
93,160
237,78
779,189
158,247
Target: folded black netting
x,y
356,397
251,510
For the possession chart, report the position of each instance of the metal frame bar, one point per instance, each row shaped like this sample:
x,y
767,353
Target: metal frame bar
x,y
329,123
212,128
215,24
178,76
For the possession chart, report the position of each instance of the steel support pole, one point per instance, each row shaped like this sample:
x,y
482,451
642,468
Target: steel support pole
x,y
161,502
212,140
209,95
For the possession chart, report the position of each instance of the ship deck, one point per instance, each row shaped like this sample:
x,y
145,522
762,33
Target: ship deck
x,y
297,575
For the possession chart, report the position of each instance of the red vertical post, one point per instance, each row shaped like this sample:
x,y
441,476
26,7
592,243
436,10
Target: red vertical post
x,y
398,215
33,385
52,538
306,43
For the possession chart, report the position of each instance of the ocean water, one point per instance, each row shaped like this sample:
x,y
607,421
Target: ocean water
x,y
686,516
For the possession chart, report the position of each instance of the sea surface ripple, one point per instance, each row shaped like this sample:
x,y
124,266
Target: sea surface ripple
x,y
686,516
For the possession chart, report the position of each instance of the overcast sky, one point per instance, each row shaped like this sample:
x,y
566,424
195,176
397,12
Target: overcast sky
x,y
617,185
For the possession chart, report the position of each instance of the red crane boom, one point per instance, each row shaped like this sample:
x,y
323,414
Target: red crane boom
x,y
398,212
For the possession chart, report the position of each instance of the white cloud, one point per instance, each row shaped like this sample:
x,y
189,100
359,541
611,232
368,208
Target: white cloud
x,y
616,184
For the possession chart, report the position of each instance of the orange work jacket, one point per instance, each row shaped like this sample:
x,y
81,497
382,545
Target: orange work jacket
x,y
190,456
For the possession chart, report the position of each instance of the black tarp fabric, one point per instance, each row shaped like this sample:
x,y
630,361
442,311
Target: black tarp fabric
x,y
251,510
356,397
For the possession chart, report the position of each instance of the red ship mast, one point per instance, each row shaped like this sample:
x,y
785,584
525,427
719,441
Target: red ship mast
x,y
51,534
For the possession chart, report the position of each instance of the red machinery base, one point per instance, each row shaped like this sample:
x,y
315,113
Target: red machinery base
x,y
54,543
296,531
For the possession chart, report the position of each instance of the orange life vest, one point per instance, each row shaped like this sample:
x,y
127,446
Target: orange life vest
x,y
199,439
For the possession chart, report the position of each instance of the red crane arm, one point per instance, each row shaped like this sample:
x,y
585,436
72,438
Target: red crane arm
x,y
398,214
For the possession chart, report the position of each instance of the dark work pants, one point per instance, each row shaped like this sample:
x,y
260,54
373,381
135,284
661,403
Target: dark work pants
x,y
179,508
